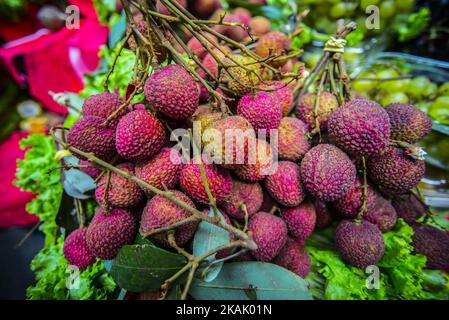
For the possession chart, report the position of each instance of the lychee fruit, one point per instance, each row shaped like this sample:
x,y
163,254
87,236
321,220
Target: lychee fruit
x,y
408,207
209,61
269,233
294,257
76,251
282,92
198,49
164,10
284,185
273,44
173,92
360,244
327,172
204,8
89,135
249,194
260,25
102,105
394,170
408,123
360,127
324,214
238,79
300,220
349,204
292,141
260,162
108,233
139,135
382,214
161,212
432,243
90,169
159,50
306,108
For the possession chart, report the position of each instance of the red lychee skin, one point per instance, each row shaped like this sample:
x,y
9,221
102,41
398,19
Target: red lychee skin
x,y
108,233
243,14
139,136
250,194
204,8
360,127
122,193
381,213
408,207
257,170
306,107
269,233
94,172
324,215
161,212
236,33
284,185
262,110
292,141
395,171
89,135
433,243
408,123
102,105
360,244
219,180
300,220
349,204
173,92
162,171
281,92
273,43
76,251
164,10
260,25
268,202
195,45
294,257
209,61
327,172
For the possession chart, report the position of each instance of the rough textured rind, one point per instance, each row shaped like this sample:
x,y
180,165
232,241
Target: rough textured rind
x,y
434,244
281,92
300,220
408,207
284,185
121,193
238,79
260,25
198,49
306,107
209,61
161,212
250,194
273,44
102,105
360,127
408,123
89,135
162,171
360,244
139,136
349,204
94,172
108,233
394,171
262,110
76,251
219,179
173,92
382,214
159,50
269,233
260,163
292,141
294,257
327,172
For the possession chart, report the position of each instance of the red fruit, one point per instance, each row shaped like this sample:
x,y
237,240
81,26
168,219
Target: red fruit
x,y
294,257
300,220
76,251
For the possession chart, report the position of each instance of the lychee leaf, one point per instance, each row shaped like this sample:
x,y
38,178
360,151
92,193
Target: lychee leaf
x,y
252,280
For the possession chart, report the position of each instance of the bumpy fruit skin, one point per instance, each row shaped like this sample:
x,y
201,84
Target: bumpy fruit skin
x,y
360,244
262,110
139,135
292,141
260,25
108,233
209,61
349,204
94,172
173,92
250,194
394,171
285,186
408,207
164,10
238,79
300,220
159,50
273,43
102,105
408,123
294,257
121,193
89,135
219,179
282,92
269,233
260,163
434,244
324,214
76,251
360,127
195,45
327,172
306,107
161,212
382,214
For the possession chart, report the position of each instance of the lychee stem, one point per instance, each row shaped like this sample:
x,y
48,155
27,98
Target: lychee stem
x,y
172,241
362,208
244,209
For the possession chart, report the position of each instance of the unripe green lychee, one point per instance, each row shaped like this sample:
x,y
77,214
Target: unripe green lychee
x,y
240,78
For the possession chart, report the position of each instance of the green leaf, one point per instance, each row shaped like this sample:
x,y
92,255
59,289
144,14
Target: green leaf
x,y
118,31
250,280
144,267
441,128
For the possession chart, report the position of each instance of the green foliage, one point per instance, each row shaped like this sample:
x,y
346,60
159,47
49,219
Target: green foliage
x,y
411,26
106,10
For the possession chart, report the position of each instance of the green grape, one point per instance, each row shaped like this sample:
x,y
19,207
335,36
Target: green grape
x,y
423,106
443,90
364,86
394,86
404,5
430,90
393,98
439,109
366,3
311,59
387,9
387,73
338,10
417,86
